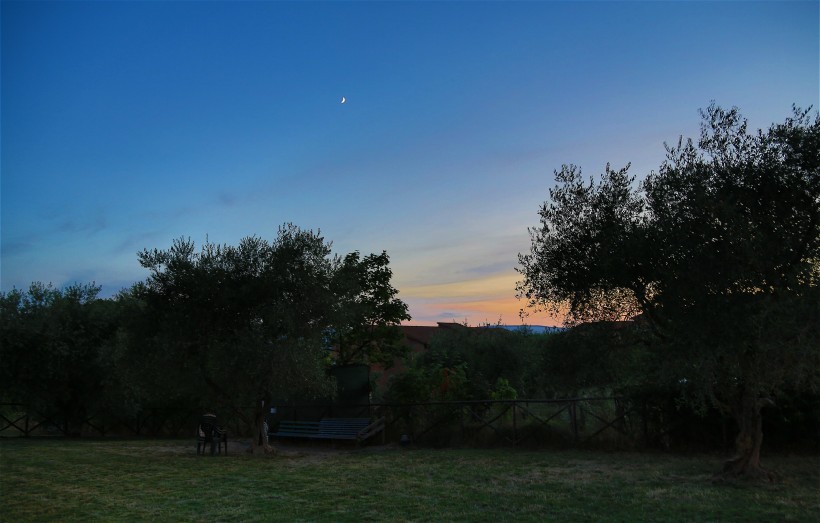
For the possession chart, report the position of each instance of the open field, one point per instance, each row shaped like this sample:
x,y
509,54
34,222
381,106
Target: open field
x,y
148,480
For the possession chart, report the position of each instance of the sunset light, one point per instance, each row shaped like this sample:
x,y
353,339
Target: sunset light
x,y
427,130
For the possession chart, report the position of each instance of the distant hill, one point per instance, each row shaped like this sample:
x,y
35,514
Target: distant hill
x,y
535,329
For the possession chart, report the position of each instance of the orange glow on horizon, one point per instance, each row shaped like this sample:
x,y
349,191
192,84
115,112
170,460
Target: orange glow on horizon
x,y
483,300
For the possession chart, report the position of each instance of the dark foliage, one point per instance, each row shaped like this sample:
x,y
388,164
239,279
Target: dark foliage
x,y
719,251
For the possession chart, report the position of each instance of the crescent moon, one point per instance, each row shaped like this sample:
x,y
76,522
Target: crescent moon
x,y
344,100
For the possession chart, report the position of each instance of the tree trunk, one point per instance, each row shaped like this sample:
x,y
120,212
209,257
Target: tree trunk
x,y
746,462
260,444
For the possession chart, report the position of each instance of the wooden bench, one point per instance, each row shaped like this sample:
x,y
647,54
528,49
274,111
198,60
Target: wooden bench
x,y
296,429
341,428
354,429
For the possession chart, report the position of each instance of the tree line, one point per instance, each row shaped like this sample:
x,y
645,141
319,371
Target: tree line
x,y
220,327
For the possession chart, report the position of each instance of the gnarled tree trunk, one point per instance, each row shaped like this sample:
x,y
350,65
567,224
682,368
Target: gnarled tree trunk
x,y
746,462
260,444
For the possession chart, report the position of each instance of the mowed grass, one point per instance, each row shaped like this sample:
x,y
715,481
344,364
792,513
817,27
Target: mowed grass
x,y
76,480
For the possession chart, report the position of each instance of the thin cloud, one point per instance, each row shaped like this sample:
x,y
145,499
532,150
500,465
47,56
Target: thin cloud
x,y
18,247
88,227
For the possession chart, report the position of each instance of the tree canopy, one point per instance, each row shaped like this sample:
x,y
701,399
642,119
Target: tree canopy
x,y
474,363
56,348
219,327
366,311
244,325
717,253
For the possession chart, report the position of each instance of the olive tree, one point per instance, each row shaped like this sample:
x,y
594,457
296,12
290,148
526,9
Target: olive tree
x,y
57,351
239,326
718,252
366,310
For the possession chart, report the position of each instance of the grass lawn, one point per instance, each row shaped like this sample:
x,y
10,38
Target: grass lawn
x,y
115,480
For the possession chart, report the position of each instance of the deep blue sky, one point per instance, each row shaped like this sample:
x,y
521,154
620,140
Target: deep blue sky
x,y
128,124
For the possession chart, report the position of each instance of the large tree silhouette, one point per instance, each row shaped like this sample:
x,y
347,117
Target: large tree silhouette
x,y
243,325
718,251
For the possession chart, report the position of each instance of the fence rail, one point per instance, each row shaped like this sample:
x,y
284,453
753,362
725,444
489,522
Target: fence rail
x,y
20,420
606,421
520,422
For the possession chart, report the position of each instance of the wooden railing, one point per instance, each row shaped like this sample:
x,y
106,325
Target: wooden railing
x,y
494,422
604,421
20,420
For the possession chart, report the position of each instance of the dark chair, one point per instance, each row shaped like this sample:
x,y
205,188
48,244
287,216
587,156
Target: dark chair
x,y
221,436
209,433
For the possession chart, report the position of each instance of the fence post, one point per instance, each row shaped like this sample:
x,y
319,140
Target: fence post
x,y
411,428
645,422
573,419
461,415
515,424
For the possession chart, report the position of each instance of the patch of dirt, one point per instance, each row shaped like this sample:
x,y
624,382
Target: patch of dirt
x,y
316,450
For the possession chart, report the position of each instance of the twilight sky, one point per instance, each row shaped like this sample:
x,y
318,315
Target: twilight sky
x,y
128,124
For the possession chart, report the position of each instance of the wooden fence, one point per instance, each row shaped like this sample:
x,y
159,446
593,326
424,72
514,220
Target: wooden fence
x,y
611,422
521,422
19,420
513,422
